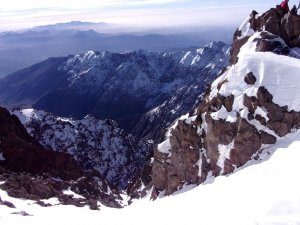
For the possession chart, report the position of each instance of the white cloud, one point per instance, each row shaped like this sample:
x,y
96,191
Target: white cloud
x,y
19,14
76,4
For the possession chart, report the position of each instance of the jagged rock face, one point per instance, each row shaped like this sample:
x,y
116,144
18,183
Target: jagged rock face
x,y
221,146
244,111
28,170
238,42
111,85
276,25
181,167
276,22
94,144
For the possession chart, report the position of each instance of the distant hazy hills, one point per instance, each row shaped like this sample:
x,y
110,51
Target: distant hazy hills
x,y
22,49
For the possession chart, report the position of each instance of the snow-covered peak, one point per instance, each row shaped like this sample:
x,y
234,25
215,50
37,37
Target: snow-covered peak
x,y
210,54
98,66
96,144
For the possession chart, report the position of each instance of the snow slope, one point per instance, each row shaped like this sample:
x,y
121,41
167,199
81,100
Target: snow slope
x,y
278,73
264,194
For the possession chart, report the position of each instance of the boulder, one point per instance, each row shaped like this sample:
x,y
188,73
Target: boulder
x,y
250,78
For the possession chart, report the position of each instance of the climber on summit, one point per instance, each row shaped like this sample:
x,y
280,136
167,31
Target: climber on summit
x,y
285,6
294,10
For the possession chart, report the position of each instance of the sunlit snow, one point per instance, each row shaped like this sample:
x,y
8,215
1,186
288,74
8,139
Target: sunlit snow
x,y
264,194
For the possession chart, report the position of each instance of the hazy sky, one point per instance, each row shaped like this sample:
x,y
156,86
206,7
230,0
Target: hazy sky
x,y
15,14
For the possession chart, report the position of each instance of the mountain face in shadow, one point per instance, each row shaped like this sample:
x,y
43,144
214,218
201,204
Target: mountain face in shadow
x,y
122,87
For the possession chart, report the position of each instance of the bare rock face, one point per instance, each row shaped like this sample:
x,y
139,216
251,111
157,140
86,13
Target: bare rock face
x,y
275,24
270,43
237,43
180,167
267,139
281,120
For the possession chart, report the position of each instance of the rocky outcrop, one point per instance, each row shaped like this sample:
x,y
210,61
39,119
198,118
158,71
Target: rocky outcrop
x,y
83,192
238,118
29,171
276,25
238,42
196,154
171,172
276,22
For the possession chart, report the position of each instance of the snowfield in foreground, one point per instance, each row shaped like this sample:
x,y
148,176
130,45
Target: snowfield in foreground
x,y
260,194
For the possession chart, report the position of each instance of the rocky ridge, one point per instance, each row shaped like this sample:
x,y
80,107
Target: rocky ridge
x,y
248,108
281,32
94,144
122,87
29,171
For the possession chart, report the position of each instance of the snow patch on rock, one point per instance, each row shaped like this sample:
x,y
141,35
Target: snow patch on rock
x,y
224,151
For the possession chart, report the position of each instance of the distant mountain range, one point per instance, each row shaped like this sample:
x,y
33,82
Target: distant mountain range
x,y
22,49
73,25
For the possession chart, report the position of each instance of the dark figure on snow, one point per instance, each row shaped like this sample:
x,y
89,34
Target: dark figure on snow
x,y
285,6
294,10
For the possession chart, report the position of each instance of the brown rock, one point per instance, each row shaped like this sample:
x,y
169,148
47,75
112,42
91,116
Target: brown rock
x,y
276,22
251,103
283,126
250,78
236,46
8,204
261,119
221,84
246,143
263,96
267,138
159,175
250,116
228,102
170,173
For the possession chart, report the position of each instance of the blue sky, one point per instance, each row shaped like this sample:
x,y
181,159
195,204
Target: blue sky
x,y
16,14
